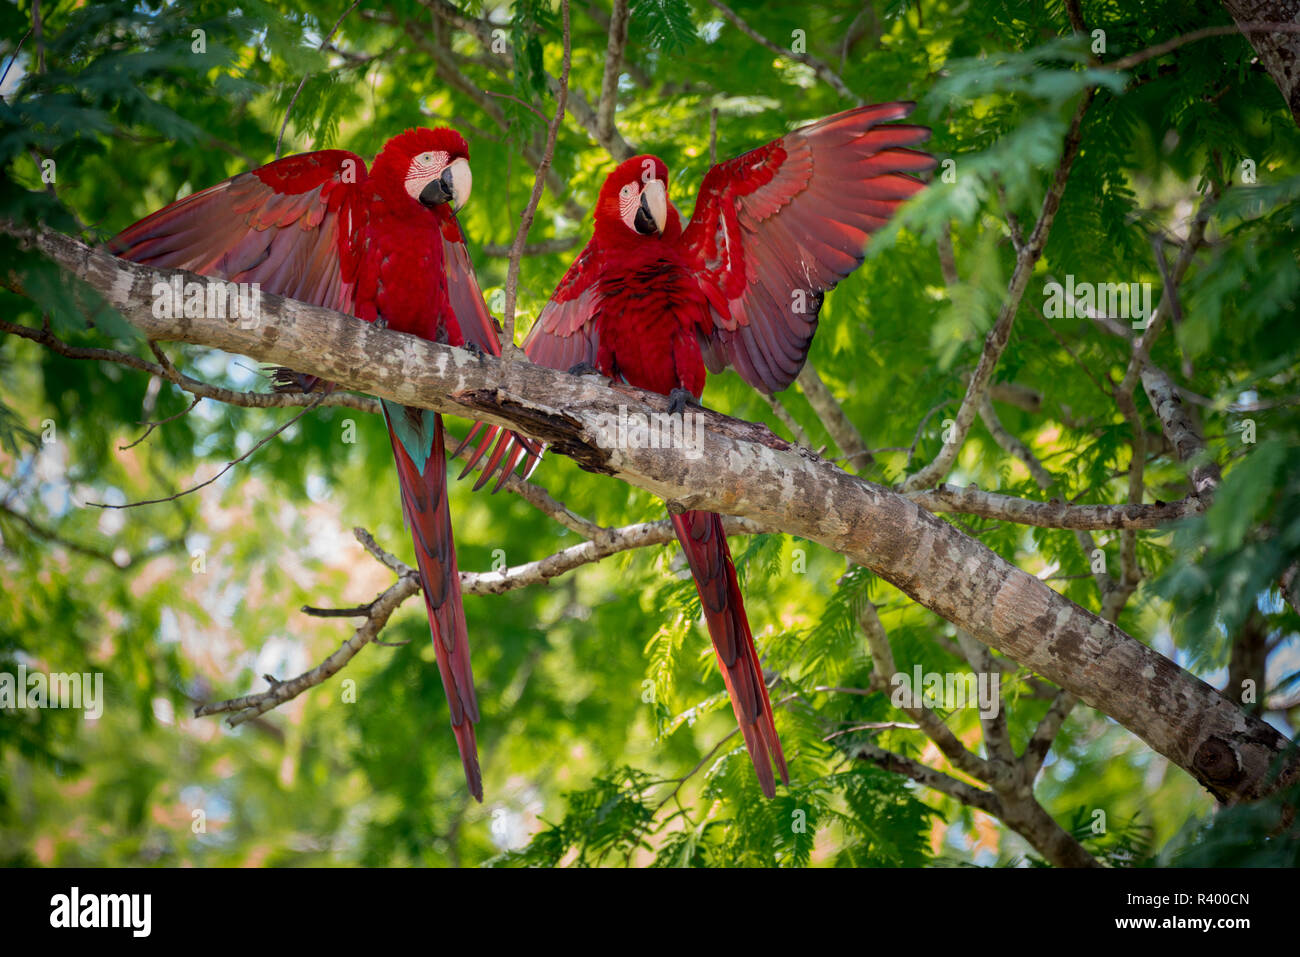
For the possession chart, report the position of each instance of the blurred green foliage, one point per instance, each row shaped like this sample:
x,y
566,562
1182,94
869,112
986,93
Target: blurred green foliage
x,y
606,735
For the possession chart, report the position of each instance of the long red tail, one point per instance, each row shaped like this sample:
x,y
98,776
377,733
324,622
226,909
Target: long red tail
x,y
706,549
424,503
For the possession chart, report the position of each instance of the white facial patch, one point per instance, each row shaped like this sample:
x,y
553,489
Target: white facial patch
x,y
424,169
629,201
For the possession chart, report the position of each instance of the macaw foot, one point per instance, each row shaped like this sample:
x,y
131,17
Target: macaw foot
x,y
474,349
584,368
286,380
381,323
679,399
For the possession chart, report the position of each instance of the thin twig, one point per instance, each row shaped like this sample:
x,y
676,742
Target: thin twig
x,y
788,420
153,425
228,466
1168,46
17,50
89,551
251,706
832,415
818,67
515,99
545,247
526,220
279,142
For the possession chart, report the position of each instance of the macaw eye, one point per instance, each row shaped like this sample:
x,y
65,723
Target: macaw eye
x,y
626,190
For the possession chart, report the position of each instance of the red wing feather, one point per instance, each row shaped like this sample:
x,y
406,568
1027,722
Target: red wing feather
x,y
287,226
776,228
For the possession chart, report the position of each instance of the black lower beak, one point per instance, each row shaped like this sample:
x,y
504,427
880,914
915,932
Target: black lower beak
x,y
438,191
644,222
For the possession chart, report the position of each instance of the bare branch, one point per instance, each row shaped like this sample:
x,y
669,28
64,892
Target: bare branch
x,y
1040,742
618,23
1011,799
1012,445
14,56
279,141
526,219
153,425
1054,514
449,71
1181,431
1168,46
254,705
967,794
226,468
545,247
818,67
1168,300
789,421
90,551
997,737
882,657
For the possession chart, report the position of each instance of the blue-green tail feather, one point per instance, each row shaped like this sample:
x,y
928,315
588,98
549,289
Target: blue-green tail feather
x,y
415,429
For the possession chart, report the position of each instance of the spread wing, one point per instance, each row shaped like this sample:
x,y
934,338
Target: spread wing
x,y
775,229
288,226
563,336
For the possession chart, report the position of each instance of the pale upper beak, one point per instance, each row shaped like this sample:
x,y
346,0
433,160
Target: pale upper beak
x,y
652,215
453,186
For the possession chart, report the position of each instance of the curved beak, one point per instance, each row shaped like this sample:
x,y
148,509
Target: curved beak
x,y
652,215
453,186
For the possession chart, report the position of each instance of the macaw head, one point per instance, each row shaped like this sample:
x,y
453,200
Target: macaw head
x,y
633,206
430,167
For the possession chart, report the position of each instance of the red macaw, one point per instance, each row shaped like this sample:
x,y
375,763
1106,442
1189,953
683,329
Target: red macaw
x,y
384,246
654,304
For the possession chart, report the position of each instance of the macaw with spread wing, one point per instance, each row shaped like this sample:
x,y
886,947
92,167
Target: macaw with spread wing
x,y
654,305
383,245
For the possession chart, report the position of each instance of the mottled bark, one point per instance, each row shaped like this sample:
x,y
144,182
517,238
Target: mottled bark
x,y
1279,52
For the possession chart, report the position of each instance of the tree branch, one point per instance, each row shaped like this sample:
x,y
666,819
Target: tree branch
x,y
248,400
740,468
1054,514
818,67
618,23
526,219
